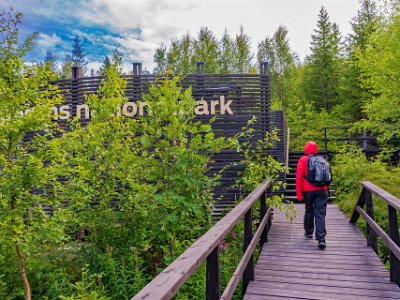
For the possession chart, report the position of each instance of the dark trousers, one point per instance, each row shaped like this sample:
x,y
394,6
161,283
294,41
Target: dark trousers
x,y
315,202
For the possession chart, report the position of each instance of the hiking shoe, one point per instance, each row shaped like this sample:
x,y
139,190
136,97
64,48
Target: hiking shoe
x,y
308,235
321,244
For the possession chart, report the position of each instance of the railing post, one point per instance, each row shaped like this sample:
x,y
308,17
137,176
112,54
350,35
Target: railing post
x,y
137,81
200,68
326,142
364,139
248,274
213,276
394,235
371,235
263,211
287,150
265,118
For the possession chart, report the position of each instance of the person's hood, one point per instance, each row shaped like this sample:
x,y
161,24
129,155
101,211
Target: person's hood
x,y
310,148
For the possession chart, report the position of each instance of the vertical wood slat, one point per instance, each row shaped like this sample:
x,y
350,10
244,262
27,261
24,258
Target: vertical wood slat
x,y
248,274
394,235
213,291
360,202
371,235
263,211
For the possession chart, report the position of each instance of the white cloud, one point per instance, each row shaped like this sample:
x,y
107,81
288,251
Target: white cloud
x,y
48,41
143,24
160,20
95,65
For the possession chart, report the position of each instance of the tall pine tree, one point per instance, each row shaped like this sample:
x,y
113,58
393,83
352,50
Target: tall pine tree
x,y
78,56
322,75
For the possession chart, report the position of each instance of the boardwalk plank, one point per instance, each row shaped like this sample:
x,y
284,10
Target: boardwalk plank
x,y
292,267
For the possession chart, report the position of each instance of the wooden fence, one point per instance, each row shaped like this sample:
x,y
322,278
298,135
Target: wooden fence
x,y
168,282
391,240
232,99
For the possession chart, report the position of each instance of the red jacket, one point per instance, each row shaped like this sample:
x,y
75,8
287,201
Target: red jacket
x,y
302,185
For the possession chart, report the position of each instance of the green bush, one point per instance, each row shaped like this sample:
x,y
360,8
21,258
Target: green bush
x,y
349,170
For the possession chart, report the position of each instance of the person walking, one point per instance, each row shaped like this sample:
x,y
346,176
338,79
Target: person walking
x,y
315,198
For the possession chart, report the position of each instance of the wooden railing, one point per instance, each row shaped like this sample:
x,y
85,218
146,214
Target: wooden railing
x,y
391,240
168,282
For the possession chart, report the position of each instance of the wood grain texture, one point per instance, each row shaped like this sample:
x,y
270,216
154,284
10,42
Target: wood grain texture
x,y
292,267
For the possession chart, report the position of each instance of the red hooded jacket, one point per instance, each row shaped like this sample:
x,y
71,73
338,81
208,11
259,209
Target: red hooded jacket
x,y
302,185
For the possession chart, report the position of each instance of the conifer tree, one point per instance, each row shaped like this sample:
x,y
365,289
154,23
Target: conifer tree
x,y
160,59
225,54
78,56
50,62
363,25
180,55
104,66
276,51
243,55
322,72
66,67
206,50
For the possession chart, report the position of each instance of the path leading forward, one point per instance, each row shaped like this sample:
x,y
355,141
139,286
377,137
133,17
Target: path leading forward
x,y
291,267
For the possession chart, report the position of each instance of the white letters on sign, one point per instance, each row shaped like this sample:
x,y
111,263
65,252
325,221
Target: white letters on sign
x,y
132,109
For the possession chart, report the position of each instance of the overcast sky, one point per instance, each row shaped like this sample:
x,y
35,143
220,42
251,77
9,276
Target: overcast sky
x,y
137,27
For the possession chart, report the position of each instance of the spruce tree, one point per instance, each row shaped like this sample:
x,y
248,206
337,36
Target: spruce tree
x,y
322,75
78,56
363,25
50,62
104,66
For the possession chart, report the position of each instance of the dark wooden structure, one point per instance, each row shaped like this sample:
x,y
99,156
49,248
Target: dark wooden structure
x,y
167,283
232,99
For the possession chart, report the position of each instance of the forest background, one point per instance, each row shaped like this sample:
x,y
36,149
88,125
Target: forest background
x,y
350,80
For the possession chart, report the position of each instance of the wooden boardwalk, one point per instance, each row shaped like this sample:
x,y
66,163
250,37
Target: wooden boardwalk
x,y
292,267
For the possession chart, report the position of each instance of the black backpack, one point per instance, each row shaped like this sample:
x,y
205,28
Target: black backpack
x,y
319,171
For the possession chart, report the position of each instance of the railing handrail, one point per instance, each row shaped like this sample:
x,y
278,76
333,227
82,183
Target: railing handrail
x,y
382,194
391,240
166,284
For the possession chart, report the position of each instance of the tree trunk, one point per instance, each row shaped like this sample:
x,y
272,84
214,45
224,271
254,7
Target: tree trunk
x,y
28,294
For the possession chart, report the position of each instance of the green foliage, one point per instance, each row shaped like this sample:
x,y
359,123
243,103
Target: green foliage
x,y
276,51
322,73
28,171
380,66
261,166
243,55
306,123
227,55
78,55
206,50
353,167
